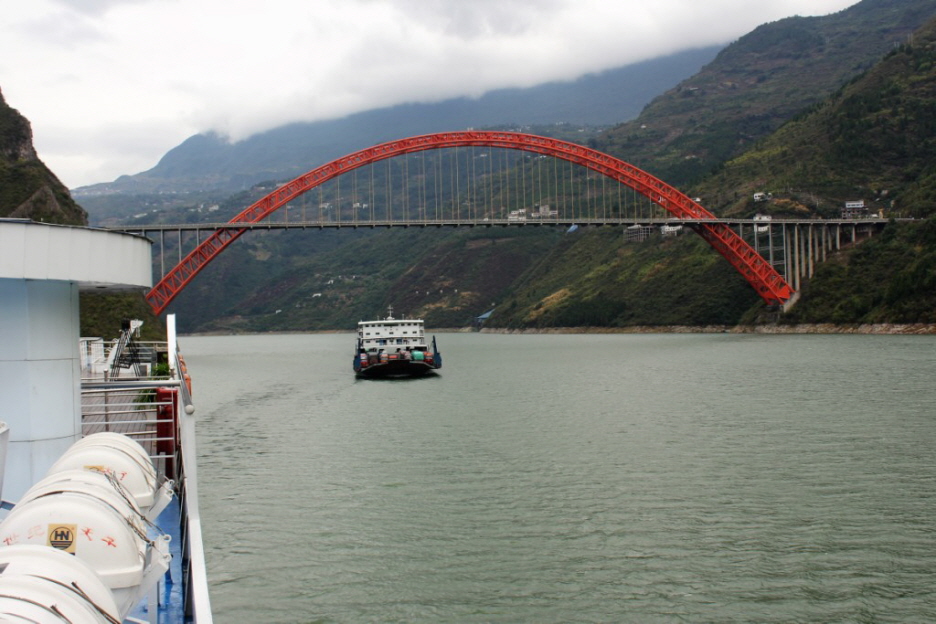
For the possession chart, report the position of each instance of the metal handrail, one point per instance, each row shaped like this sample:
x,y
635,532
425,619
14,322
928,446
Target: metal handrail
x,y
144,418
198,599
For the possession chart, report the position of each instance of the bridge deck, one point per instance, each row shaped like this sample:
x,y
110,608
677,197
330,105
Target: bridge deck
x,y
336,224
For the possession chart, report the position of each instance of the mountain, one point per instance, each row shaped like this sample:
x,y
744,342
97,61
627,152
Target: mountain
x,y
210,162
542,278
757,84
28,189
873,140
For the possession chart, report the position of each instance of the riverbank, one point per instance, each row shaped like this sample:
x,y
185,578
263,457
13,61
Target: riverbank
x,y
821,328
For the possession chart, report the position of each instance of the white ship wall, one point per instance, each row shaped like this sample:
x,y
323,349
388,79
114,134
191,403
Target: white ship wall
x,y
42,270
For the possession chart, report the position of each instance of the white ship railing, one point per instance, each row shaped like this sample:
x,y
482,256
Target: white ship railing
x,y
158,413
197,599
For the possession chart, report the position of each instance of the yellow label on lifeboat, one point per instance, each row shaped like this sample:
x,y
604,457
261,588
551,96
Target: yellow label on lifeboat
x,y
62,536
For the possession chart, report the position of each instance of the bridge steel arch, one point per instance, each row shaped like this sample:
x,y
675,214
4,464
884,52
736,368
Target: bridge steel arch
x,y
759,273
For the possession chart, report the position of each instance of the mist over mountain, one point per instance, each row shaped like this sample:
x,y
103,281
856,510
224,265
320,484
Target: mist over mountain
x,y
210,162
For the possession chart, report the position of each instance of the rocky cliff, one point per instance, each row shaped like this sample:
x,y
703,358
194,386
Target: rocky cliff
x,y
27,188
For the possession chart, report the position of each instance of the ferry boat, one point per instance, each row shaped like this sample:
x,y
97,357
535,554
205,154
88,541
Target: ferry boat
x,y
391,347
112,532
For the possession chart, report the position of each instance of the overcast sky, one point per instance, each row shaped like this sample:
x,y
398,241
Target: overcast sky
x,y
111,85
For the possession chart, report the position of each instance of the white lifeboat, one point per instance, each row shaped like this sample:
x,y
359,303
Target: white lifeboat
x,y
125,459
103,486
39,584
90,515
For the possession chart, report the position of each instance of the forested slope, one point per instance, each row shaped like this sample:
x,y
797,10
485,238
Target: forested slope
x,y
870,139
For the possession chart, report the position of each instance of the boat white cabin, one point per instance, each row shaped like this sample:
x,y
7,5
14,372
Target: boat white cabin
x,y
391,334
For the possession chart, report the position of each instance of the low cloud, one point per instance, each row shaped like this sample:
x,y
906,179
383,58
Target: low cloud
x,y
111,85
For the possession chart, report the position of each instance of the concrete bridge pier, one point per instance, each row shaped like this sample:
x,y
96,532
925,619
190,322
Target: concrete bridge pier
x,y
806,245
796,249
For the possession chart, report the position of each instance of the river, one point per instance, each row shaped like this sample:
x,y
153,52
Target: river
x,y
571,478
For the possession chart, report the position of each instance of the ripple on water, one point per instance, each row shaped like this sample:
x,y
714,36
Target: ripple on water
x,y
571,478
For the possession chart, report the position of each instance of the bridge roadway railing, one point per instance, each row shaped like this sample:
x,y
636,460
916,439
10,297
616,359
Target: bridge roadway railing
x,y
793,246
859,224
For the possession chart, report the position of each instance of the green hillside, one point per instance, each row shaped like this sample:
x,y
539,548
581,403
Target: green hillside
x,y
757,84
594,279
875,140
445,278
888,279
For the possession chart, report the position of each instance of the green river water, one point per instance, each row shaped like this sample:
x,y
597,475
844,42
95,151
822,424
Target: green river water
x,y
571,478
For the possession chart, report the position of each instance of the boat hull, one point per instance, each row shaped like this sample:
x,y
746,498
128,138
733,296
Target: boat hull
x,y
395,368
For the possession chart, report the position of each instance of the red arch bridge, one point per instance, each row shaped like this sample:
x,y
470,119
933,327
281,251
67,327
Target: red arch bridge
x,y
485,178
